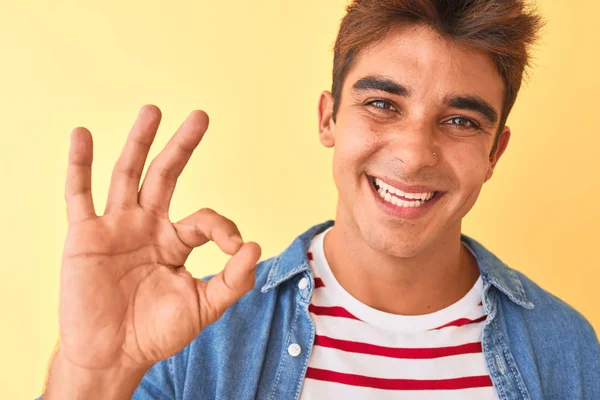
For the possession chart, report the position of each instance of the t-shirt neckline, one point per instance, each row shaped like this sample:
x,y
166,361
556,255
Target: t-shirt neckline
x,y
384,320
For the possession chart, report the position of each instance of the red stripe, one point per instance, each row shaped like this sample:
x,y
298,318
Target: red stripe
x,y
397,352
461,322
331,311
399,384
309,255
319,283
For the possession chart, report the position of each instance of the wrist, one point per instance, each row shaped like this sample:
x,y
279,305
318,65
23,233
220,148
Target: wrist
x,y
69,381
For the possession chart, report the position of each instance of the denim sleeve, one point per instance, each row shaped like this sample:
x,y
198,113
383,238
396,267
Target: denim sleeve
x,y
157,384
591,381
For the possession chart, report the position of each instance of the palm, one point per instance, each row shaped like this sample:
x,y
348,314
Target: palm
x,y
126,298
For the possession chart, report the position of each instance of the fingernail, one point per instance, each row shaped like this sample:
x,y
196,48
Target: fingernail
x,y
237,239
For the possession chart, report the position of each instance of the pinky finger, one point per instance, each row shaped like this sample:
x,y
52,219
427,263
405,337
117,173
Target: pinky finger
x,y
78,189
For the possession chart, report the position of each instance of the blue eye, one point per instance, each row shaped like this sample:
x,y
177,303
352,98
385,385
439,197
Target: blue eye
x,y
381,105
463,123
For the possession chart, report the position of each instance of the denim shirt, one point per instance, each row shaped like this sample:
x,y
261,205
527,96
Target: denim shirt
x,y
535,345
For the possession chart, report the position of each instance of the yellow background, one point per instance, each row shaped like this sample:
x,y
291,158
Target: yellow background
x,y
257,68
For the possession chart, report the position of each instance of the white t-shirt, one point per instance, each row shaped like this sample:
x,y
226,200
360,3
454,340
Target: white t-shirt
x,y
363,353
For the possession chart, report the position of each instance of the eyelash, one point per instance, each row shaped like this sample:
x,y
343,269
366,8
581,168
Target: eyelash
x,y
474,125
379,109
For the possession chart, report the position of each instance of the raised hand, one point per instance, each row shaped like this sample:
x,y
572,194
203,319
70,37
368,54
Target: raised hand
x,y
126,298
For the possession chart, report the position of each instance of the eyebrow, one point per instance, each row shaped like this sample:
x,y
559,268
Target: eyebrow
x,y
372,82
474,103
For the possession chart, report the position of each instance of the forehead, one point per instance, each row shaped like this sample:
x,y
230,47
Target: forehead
x,y
416,56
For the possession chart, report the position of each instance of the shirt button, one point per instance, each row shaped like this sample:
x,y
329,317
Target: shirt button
x,y
303,283
294,350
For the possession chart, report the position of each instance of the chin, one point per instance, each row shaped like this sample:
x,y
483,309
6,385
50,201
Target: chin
x,y
393,241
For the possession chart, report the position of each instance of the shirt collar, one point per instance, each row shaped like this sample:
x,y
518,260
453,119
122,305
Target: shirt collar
x,y
294,260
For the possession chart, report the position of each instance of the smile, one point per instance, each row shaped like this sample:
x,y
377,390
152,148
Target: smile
x,y
400,204
399,198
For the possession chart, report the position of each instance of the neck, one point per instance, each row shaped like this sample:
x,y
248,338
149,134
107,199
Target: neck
x,y
427,282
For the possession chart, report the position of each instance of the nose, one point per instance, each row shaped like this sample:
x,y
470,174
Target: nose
x,y
414,145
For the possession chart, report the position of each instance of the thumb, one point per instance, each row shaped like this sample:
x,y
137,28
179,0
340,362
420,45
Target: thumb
x,y
228,286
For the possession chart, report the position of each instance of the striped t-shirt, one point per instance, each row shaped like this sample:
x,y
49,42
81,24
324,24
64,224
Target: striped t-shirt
x,y
363,353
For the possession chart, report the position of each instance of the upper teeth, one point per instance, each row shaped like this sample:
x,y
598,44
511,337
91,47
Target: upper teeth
x,y
393,190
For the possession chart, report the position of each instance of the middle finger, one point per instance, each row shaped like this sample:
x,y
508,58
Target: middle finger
x,y
159,183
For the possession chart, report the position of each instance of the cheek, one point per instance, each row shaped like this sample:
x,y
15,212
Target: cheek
x,y
472,173
355,144
469,165
469,159
356,140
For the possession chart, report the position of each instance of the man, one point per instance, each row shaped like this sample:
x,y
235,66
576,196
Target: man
x,y
389,301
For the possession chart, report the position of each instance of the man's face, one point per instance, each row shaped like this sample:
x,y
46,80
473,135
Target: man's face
x,y
409,96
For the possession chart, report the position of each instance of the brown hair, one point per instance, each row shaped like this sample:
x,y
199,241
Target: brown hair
x,y
505,29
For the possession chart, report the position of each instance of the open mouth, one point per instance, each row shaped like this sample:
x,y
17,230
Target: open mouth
x,y
399,198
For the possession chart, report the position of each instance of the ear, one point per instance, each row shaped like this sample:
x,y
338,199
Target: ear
x,y
326,122
502,144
